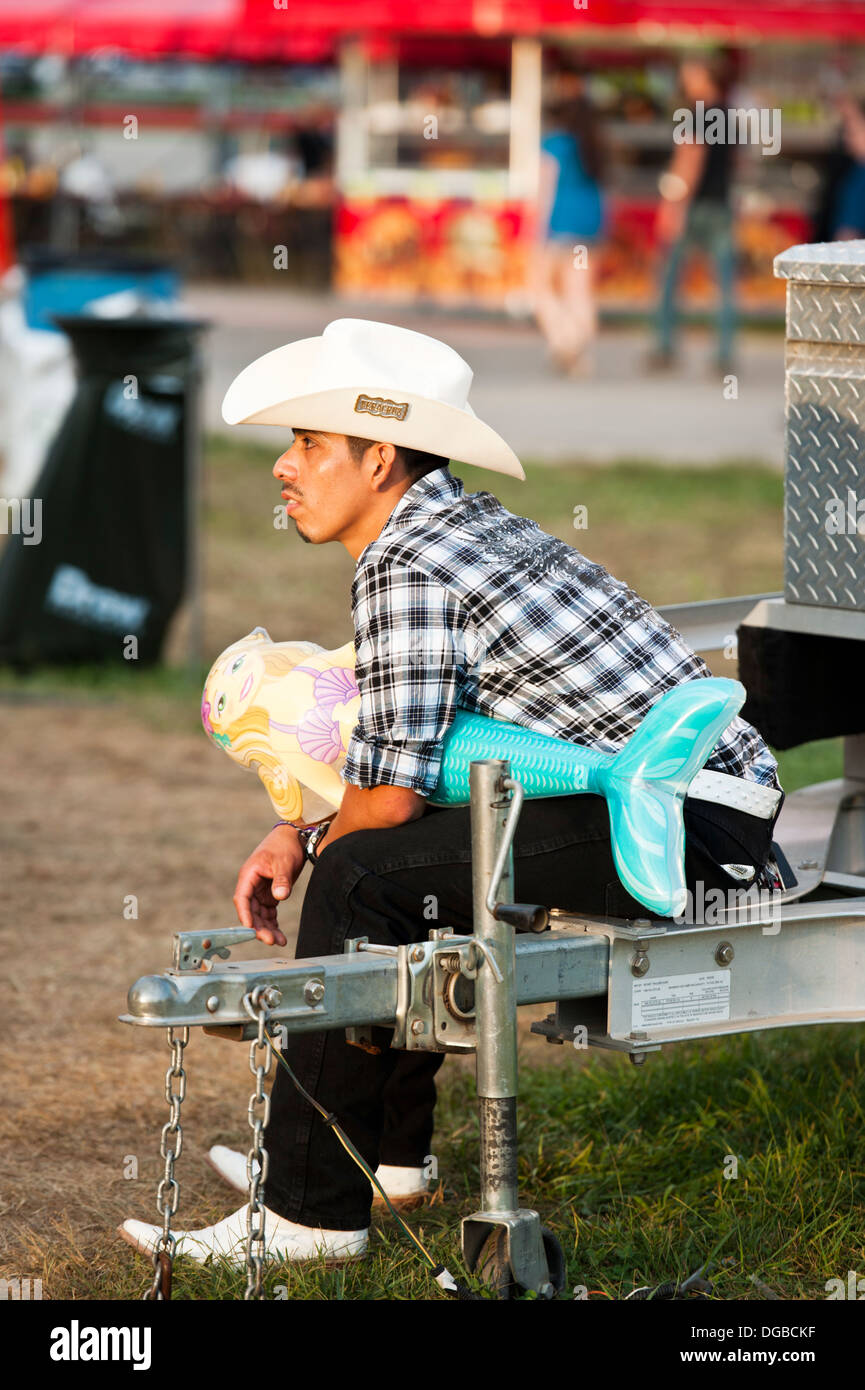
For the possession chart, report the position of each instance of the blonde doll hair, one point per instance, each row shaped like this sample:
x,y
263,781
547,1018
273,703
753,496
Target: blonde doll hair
x,y
250,745
249,736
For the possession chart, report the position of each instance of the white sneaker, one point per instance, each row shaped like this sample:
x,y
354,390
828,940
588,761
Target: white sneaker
x,y
405,1187
284,1240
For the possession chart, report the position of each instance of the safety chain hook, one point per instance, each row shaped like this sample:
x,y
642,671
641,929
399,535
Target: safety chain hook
x,y
256,1161
170,1145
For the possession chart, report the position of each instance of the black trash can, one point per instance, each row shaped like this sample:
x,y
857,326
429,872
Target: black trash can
x,y
102,574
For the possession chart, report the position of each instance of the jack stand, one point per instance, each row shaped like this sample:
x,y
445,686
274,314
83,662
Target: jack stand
x,y
503,1242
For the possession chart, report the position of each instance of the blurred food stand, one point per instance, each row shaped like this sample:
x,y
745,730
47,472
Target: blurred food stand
x,y
438,143
437,166
391,149
191,130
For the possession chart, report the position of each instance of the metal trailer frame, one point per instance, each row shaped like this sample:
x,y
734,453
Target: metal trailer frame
x,y
795,958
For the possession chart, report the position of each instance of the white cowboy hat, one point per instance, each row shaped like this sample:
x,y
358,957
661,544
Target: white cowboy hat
x,y
373,380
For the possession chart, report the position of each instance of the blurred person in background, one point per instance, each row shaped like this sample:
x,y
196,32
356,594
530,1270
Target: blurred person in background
x,y
696,213
570,217
314,148
840,213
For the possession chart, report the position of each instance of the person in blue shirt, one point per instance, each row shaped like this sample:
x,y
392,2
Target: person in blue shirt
x,y
848,205
839,209
570,219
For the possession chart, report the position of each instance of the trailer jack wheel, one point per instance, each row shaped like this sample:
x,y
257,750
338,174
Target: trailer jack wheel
x,y
555,1258
493,1267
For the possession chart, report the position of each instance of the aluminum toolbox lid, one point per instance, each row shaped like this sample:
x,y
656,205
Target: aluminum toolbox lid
x,y
823,262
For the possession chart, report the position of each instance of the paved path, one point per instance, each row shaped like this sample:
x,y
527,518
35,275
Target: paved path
x,y
620,413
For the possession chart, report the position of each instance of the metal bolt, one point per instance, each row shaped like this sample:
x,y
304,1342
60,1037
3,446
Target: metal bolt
x,y
640,963
418,1026
271,996
417,954
212,1004
808,864
641,922
724,953
313,991
638,1058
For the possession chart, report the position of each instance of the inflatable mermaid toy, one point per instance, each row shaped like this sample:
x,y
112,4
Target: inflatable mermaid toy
x,y
287,709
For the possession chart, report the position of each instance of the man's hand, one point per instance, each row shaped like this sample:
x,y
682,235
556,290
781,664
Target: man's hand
x,y
678,184
266,880
670,222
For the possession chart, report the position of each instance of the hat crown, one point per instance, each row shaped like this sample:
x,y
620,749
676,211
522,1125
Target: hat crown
x,y
397,385
387,357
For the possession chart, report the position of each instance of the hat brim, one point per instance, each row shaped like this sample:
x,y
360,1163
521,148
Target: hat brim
x,y
257,396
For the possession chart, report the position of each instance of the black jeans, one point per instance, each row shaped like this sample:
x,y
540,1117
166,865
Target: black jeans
x,y
394,886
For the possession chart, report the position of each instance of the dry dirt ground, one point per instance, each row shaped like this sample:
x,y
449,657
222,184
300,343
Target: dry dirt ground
x,y
105,807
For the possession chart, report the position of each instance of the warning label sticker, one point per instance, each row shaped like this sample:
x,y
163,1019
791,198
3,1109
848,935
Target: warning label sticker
x,y
678,1000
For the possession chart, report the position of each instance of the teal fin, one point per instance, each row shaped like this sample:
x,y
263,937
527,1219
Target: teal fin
x,y
645,787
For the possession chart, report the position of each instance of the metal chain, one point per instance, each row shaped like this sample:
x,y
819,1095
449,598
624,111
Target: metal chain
x,y
259,1114
168,1191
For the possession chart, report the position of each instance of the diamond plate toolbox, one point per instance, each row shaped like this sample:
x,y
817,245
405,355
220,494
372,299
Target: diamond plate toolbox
x,y
824,494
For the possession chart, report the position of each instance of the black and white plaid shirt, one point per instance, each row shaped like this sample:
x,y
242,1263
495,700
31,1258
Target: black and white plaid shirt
x,y
459,603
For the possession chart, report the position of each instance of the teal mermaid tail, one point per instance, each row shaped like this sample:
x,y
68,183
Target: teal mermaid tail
x,y
644,784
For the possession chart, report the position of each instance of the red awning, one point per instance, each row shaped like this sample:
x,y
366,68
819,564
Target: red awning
x,y
154,28
305,30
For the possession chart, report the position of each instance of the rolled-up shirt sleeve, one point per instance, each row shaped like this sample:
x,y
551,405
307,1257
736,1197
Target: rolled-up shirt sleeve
x,y
409,667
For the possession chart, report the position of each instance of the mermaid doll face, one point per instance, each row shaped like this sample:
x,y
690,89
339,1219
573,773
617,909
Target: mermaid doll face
x,y
232,688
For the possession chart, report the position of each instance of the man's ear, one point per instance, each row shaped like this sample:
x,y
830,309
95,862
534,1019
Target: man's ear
x,y
384,465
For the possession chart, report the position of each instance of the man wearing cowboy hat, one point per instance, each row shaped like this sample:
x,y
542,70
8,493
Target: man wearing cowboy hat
x,y
456,602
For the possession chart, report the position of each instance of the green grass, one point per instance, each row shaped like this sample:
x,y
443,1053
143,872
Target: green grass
x,y
675,533
627,1166
812,762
